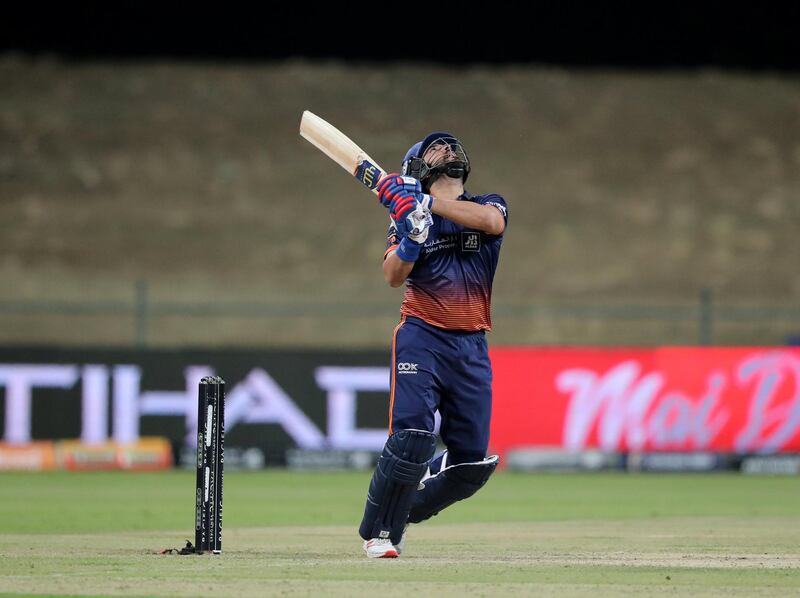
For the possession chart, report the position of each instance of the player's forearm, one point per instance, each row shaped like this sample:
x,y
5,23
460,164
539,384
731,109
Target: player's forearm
x,y
395,270
471,215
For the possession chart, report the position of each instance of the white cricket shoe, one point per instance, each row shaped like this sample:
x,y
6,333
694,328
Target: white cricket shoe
x,y
380,548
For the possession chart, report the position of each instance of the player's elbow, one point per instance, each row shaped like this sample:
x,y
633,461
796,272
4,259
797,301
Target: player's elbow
x,y
393,279
393,276
494,224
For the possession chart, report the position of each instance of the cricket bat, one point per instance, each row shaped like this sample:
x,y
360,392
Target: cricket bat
x,y
341,149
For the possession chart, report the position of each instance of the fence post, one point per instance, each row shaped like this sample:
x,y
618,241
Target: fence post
x,y
706,317
140,314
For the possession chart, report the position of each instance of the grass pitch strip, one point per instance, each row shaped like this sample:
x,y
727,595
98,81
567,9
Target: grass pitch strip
x,y
295,534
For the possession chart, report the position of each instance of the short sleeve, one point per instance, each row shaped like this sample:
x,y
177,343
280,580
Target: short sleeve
x,y
498,202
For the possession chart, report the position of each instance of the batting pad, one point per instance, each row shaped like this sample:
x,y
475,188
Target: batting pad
x,y
400,468
451,484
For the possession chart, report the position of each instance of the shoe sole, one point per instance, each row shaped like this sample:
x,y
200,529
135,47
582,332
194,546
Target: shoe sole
x,y
389,554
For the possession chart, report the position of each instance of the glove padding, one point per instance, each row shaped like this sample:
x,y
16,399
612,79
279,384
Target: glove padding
x,y
413,220
394,187
412,216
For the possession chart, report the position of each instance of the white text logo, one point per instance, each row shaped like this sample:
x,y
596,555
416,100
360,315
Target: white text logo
x,y
406,368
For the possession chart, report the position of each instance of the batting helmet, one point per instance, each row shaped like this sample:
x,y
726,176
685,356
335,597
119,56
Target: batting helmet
x,y
439,153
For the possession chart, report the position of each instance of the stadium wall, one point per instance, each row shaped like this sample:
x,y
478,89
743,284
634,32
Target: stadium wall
x,y
328,408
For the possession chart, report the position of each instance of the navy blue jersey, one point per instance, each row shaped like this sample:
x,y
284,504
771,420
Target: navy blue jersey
x,y
450,285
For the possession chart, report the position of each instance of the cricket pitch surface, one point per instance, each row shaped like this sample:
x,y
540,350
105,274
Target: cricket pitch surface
x,y
294,534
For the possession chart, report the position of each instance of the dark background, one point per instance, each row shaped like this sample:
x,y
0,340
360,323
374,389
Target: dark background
x,y
132,133
757,36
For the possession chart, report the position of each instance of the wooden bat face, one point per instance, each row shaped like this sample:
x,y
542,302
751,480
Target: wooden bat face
x,y
341,149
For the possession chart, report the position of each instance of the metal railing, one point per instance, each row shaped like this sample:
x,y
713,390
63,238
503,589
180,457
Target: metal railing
x,y
704,316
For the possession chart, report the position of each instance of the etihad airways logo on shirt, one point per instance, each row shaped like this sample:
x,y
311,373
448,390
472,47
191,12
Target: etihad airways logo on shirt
x,y
406,368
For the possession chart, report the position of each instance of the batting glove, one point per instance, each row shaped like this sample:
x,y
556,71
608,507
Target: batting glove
x,y
413,222
393,187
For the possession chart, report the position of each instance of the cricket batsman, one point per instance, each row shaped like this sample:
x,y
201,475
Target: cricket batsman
x,y
443,243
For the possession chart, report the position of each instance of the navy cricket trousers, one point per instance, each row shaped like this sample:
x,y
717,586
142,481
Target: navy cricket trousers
x,y
445,370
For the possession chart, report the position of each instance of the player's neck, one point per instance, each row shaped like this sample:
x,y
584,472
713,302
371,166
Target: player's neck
x,y
447,188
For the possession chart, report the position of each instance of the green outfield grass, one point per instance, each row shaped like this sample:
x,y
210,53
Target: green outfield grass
x,y
295,534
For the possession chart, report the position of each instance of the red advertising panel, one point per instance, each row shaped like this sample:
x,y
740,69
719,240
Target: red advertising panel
x,y
737,400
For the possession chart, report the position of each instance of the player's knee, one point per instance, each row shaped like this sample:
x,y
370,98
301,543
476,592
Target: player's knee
x,y
408,448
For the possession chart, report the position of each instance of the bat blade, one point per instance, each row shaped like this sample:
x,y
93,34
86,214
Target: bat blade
x,y
341,149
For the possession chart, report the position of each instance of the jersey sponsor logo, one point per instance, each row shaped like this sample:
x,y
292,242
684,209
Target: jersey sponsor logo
x,y
470,241
407,368
440,243
367,173
448,240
